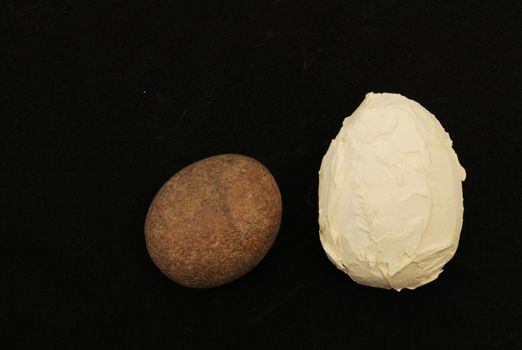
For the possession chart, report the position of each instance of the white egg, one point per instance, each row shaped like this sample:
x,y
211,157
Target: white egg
x,y
390,195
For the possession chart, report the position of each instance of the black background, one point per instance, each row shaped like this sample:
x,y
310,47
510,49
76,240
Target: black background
x,y
105,100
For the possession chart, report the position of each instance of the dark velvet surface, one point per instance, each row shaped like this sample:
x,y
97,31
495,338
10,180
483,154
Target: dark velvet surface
x,y
103,101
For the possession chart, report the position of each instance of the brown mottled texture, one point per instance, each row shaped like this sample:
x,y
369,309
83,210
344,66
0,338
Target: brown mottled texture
x,y
213,221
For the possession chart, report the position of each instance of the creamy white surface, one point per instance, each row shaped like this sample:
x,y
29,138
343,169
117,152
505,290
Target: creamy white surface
x,y
390,195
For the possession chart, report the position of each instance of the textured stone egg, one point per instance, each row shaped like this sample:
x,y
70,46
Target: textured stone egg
x,y
213,221
390,195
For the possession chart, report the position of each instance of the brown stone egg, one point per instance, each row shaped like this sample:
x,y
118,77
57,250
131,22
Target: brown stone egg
x,y
213,221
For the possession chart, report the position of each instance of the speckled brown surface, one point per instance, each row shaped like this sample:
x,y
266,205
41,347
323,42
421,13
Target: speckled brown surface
x,y
213,221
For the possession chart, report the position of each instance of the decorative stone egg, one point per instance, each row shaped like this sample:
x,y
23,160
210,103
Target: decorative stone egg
x,y
213,221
